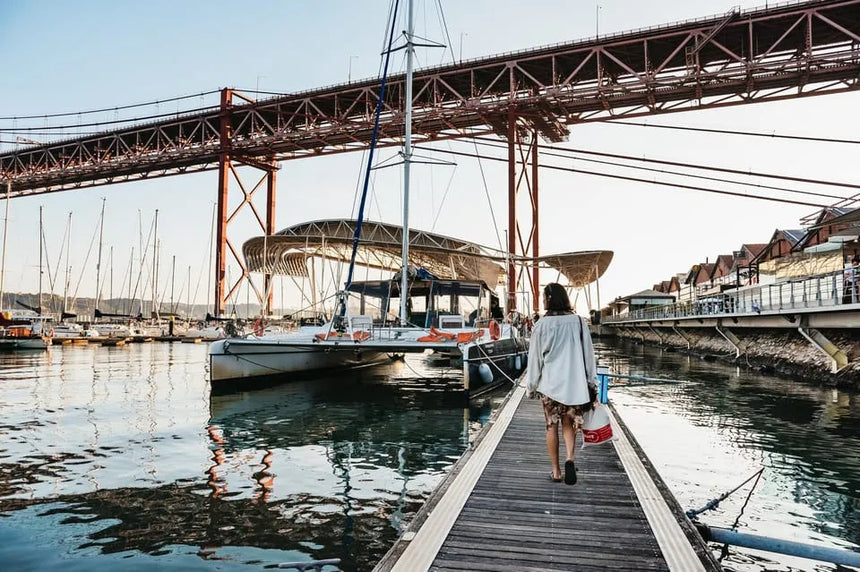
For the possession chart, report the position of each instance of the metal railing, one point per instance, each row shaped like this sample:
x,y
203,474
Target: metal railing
x,y
824,290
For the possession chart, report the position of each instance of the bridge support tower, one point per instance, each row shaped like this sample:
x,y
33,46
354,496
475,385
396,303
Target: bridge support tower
x,y
523,226
228,163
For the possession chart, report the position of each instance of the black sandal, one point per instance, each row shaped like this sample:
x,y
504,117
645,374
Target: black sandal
x,y
569,473
554,479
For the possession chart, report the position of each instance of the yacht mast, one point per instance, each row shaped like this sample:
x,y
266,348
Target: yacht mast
x,y
172,285
68,264
40,258
407,157
111,275
188,296
99,262
5,228
141,254
155,268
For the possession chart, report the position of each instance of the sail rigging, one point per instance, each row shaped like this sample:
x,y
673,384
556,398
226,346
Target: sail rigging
x,y
357,234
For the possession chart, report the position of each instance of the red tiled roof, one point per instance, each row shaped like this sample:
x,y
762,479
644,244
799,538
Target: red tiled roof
x,y
754,249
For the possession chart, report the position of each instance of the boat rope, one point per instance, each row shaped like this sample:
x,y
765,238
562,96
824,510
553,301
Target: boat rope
x,y
373,141
441,14
487,193
421,376
493,364
714,503
725,549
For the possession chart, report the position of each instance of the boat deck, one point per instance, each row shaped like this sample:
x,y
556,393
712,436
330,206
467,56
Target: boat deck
x,y
499,510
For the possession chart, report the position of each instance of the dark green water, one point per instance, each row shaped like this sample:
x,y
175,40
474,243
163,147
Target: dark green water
x,y
118,459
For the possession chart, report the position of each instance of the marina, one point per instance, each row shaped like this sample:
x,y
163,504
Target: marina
x,y
376,387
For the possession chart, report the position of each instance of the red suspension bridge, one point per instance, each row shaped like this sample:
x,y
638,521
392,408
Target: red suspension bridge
x,y
781,52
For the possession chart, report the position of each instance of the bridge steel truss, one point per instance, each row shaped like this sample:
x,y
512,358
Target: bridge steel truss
x,y
787,51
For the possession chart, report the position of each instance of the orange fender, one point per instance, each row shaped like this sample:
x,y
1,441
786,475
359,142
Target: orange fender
x,y
495,330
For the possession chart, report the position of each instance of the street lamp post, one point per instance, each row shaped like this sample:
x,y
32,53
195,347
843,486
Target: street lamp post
x,y
349,73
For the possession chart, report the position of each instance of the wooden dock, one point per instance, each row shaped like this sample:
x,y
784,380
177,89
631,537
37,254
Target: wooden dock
x,y
498,509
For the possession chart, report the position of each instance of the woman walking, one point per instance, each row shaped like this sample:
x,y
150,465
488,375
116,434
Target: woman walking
x,y
562,371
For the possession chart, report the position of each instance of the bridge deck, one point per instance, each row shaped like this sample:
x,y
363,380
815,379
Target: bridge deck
x,y
500,511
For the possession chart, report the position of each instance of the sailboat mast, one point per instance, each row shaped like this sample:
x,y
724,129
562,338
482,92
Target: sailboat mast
x,y
188,295
215,309
99,262
5,228
40,258
140,273
68,263
130,279
407,157
155,267
172,284
111,274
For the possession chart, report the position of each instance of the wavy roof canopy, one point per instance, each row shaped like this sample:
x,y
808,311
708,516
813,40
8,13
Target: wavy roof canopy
x,y
580,268
287,252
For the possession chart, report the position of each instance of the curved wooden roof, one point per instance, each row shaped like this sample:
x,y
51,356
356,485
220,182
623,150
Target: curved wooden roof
x,y
287,252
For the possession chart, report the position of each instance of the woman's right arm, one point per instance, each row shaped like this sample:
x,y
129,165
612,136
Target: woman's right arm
x,y
535,364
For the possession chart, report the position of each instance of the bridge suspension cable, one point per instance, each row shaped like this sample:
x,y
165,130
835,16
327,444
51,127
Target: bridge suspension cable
x,y
113,121
639,180
106,109
570,154
738,132
694,166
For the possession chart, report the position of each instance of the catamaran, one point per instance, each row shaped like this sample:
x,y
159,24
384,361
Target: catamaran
x,y
451,305
444,291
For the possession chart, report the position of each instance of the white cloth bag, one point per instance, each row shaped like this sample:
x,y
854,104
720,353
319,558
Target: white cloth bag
x,y
596,427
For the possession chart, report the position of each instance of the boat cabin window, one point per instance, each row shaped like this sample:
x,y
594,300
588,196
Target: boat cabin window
x,y
429,301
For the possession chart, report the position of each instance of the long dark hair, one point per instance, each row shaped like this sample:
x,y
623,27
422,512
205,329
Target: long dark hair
x,y
557,301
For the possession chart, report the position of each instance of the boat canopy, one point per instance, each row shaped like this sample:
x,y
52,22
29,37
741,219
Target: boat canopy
x,y
391,288
288,251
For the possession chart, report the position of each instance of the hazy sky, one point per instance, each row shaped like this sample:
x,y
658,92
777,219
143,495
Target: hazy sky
x,y
75,56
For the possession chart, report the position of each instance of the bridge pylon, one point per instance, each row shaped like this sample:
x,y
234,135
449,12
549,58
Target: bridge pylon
x,y
523,223
229,159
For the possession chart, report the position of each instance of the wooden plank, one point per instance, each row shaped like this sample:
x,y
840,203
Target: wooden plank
x,y
516,519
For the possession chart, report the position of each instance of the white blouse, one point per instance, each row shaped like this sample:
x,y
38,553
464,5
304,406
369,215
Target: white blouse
x,y
561,359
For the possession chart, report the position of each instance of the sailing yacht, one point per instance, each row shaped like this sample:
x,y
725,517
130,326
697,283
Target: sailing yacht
x,y
443,292
348,341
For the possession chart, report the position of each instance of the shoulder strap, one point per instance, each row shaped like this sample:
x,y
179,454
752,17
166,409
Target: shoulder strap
x,y
582,346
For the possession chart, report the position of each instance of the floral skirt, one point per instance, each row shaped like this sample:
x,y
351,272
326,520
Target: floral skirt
x,y
554,412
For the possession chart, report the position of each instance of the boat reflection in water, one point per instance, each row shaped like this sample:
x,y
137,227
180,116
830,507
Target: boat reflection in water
x,y
336,463
132,470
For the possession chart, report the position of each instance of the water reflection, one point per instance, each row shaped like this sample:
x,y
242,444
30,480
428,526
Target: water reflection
x,y
708,434
120,451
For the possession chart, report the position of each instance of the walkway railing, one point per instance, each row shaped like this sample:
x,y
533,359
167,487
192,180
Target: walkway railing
x,y
824,290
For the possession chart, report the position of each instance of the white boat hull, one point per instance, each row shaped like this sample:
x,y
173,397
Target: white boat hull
x,y
234,360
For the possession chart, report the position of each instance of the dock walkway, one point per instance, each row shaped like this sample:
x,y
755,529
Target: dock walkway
x,y
499,510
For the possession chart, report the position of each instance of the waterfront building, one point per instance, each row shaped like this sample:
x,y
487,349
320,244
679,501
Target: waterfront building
x,y
721,274
639,301
743,269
